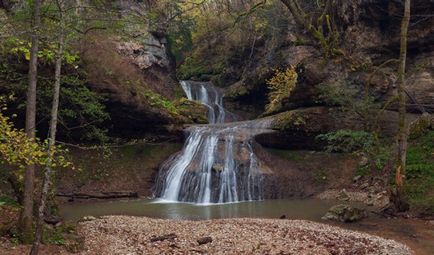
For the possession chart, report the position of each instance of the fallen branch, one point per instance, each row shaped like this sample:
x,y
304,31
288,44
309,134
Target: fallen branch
x,y
101,195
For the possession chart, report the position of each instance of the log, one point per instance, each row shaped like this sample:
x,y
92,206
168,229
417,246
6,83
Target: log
x,y
100,195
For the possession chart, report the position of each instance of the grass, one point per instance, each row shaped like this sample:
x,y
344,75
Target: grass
x,y
5,200
419,187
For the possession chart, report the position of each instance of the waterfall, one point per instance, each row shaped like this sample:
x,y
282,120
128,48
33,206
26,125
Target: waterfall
x,y
209,96
217,163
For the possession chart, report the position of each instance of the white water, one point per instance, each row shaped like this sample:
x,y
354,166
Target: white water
x,y
217,163
208,96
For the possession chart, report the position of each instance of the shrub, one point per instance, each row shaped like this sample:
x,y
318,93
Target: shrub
x,y
347,141
419,185
281,86
360,143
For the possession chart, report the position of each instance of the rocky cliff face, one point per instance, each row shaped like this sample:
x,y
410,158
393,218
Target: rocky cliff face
x,y
136,78
369,41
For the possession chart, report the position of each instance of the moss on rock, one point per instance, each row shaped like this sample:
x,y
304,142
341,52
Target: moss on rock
x,y
194,111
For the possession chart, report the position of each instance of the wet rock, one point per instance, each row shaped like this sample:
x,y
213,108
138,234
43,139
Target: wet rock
x,y
204,240
193,110
170,237
52,220
217,167
344,213
88,218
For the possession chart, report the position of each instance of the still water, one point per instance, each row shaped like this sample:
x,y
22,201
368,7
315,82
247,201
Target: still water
x,y
310,209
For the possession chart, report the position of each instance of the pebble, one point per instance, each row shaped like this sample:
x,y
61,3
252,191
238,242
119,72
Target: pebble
x,y
131,235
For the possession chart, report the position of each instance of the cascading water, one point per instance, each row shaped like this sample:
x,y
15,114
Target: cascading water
x,y
209,96
217,163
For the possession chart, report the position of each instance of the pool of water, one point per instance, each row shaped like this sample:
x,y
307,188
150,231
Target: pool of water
x,y
310,209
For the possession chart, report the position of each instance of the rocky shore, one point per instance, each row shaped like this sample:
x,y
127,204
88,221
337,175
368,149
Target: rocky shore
x,y
140,235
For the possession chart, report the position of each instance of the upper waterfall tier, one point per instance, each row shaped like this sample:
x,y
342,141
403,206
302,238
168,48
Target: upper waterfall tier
x,y
209,96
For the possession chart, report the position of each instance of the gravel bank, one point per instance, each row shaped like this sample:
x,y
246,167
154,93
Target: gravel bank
x,y
139,235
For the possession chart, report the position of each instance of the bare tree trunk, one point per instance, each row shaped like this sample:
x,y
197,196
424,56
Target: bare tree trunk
x,y
304,20
400,205
26,220
52,136
78,7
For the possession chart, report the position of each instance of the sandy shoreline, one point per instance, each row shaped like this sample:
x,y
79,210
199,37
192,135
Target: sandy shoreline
x,y
141,235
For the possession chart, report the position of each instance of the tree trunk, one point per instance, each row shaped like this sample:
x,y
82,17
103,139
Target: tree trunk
x,y
26,220
400,204
52,137
305,21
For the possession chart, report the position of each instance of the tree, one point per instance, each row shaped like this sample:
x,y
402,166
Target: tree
x,y
52,130
27,213
323,31
400,204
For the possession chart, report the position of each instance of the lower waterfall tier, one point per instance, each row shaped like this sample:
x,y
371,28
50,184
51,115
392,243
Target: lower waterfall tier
x,y
215,166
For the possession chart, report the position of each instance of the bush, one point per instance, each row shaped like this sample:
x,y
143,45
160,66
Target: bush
x,y
419,184
280,86
347,141
360,143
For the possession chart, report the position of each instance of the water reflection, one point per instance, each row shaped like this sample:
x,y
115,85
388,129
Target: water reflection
x,y
295,209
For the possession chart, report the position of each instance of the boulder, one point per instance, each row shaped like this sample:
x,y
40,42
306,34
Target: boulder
x,y
344,213
204,240
52,219
147,54
88,218
217,167
169,237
